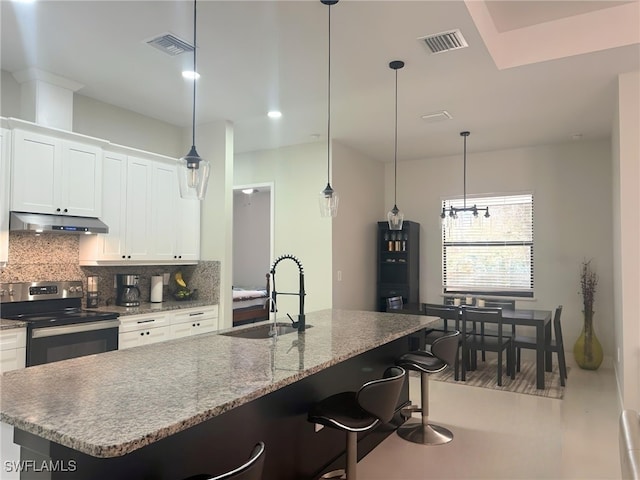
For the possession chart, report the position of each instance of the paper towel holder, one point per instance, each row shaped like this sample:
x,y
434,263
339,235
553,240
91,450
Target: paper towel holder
x,y
156,289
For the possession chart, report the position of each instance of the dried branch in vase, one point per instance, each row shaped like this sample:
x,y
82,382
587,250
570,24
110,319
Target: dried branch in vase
x,y
588,283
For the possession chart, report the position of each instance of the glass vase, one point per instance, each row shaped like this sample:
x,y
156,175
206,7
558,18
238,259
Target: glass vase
x,y
587,350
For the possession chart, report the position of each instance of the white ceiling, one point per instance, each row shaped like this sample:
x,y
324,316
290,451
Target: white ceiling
x,y
535,72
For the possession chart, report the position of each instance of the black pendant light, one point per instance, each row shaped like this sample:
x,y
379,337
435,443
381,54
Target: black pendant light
x,y
193,171
452,212
328,198
395,216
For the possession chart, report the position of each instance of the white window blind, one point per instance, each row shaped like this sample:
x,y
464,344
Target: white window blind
x,y
489,255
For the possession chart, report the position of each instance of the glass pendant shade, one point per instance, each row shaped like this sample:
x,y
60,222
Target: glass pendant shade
x,y
193,175
328,202
395,218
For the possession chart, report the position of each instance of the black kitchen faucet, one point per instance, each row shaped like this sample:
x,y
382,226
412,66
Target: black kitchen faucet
x,y
300,324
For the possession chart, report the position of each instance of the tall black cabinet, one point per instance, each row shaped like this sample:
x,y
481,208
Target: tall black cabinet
x,y
398,263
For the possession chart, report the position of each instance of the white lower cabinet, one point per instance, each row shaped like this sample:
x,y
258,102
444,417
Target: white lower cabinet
x,y
13,355
13,349
137,330
194,321
148,328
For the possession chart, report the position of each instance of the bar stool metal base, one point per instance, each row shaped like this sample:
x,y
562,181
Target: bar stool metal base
x,y
335,474
430,434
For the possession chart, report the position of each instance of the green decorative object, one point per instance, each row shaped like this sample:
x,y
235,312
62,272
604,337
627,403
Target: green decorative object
x,y
587,349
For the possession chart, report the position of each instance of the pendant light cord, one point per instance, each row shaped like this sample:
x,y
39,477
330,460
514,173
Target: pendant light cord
x,y
464,174
193,115
329,104
395,149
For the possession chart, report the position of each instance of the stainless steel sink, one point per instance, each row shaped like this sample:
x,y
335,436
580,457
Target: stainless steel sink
x,y
263,331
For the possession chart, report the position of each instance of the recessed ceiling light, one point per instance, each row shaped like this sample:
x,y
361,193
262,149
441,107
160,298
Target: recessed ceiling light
x,y
190,74
274,114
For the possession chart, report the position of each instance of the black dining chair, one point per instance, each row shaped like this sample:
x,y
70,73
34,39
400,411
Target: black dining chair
x,y
250,470
556,345
496,303
476,341
359,411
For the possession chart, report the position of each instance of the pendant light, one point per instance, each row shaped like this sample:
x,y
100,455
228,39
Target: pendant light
x,y
395,216
452,212
193,171
328,198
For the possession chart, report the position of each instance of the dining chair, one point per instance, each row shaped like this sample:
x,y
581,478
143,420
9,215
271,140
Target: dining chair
x,y
497,303
394,303
476,341
556,345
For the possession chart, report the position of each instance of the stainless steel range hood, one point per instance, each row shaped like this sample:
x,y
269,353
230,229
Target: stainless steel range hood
x,y
41,223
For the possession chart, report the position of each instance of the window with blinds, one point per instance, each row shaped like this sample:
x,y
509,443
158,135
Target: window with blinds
x,y
489,255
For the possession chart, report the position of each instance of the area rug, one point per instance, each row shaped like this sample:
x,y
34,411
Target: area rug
x,y
525,382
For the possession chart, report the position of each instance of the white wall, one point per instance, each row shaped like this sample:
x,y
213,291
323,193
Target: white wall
x,y
626,205
571,184
251,238
359,182
118,125
9,95
102,120
298,175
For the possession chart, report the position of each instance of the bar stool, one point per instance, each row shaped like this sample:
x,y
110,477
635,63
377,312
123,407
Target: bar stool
x,y
359,411
444,351
250,470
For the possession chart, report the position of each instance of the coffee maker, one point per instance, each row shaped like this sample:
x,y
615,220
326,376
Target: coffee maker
x,y
127,291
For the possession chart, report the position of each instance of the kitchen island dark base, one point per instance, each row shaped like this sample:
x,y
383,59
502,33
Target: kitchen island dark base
x,y
294,450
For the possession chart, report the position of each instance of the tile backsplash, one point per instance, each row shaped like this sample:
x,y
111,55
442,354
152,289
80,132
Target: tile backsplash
x,y
55,258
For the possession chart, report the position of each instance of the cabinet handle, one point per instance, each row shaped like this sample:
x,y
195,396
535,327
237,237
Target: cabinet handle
x,y
142,333
65,210
148,333
193,324
175,256
197,313
179,256
124,256
128,256
57,209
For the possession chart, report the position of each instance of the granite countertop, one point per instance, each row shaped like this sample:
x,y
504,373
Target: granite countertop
x,y
8,324
146,307
111,404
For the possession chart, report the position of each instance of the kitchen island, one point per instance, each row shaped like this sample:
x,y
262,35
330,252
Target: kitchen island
x,y
197,405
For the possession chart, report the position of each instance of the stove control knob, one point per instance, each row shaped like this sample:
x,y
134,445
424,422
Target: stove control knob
x,y
11,293
2,292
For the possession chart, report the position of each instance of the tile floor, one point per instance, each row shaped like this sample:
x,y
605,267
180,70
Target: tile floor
x,y
504,435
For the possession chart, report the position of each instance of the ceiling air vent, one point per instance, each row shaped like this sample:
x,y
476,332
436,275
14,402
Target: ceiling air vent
x,y
170,44
445,41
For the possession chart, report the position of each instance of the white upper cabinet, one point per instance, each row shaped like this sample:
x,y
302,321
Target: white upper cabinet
x,y
164,216
5,149
56,174
148,221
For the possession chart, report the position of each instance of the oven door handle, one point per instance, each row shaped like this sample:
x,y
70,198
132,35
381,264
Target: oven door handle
x,y
74,328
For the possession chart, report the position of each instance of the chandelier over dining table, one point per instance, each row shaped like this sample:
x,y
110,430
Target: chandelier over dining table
x,y
452,212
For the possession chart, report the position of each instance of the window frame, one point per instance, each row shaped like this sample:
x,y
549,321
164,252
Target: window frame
x,y
505,292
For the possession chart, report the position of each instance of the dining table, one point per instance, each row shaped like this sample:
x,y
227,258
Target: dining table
x,y
539,319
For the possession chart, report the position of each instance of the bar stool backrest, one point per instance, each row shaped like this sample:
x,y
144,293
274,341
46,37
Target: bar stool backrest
x,y
250,470
446,347
380,397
